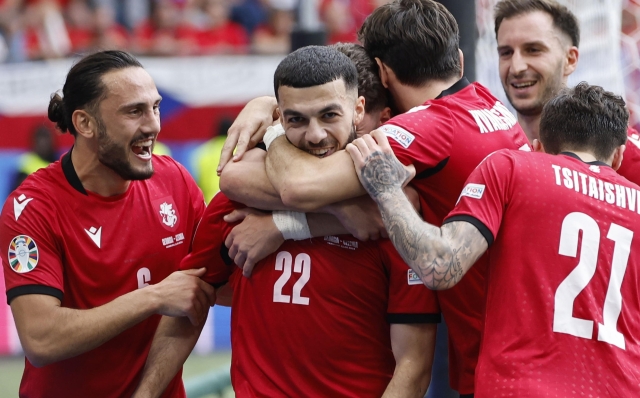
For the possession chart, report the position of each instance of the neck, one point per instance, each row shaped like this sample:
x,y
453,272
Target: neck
x,y
408,97
93,175
531,125
585,156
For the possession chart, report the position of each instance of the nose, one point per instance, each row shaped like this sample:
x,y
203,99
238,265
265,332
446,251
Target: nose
x,y
518,63
315,133
151,123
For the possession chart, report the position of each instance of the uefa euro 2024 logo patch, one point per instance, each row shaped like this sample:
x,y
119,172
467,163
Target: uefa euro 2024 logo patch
x,y
23,254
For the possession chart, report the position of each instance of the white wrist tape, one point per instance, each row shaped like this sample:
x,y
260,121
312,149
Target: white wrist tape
x,y
272,133
292,224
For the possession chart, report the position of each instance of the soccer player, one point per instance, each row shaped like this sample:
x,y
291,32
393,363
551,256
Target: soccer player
x,y
563,300
538,50
314,318
450,125
94,239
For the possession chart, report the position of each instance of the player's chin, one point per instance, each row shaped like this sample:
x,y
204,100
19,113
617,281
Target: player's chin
x,y
142,173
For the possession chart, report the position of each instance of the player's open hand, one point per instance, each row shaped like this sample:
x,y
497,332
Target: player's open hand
x,y
183,293
253,239
377,167
248,129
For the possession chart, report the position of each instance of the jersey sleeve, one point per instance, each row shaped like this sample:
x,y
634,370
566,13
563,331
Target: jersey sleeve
x,y
422,137
485,195
630,168
410,301
208,249
32,260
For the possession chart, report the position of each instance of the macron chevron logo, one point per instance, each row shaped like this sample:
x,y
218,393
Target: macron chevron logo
x,y
94,234
19,204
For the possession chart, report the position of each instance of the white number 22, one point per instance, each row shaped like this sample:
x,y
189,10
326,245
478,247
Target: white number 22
x,y
302,265
579,278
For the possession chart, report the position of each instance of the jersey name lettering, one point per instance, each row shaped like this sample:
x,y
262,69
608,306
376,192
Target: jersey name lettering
x,y
494,119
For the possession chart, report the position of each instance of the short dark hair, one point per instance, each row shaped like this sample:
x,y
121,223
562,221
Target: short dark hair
x,y
314,66
84,88
584,118
417,39
563,19
369,84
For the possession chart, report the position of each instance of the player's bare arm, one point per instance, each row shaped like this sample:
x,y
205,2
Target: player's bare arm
x,y
246,182
306,182
173,342
440,256
413,346
248,129
50,333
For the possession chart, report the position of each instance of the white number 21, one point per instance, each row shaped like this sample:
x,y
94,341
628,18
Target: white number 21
x,y
579,278
302,265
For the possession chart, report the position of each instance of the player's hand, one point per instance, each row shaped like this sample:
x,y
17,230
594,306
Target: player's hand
x,y
183,293
361,217
378,169
248,129
253,239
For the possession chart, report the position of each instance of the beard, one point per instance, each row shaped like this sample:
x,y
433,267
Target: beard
x,y
329,141
550,89
116,156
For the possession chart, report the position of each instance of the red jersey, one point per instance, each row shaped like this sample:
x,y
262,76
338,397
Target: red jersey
x,y
445,139
87,250
314,317
630,168
563,296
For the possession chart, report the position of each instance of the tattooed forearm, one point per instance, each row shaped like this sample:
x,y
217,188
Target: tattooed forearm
x,y
383,174
440,256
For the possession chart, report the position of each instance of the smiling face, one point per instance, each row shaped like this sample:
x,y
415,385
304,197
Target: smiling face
x,y
535,60
128,121
320,119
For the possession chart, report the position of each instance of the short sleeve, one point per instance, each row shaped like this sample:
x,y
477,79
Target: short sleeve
x,y
630,168
208,249
32,260
410,301
485,195
422,137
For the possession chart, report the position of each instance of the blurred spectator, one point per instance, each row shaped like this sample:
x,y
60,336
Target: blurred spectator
x,y
108,34
42,153
45,30
275,37
80,25
343,18
220,35
205,161
165,32
250,14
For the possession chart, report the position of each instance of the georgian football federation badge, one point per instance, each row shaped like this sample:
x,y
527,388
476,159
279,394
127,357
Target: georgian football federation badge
x,y
167,212
23,254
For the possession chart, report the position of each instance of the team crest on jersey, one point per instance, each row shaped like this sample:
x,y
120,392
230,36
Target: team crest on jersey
x,y
402,136
167,212
23,254
595,168
473,191
413,278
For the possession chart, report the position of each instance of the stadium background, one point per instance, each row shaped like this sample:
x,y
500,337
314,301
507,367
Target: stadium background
x,y
208,74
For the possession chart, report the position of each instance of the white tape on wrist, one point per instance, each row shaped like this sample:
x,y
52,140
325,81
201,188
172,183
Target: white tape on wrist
x,y
292,224
272,133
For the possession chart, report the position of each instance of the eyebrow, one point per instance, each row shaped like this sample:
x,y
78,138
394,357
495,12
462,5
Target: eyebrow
x,y
138,104
328,108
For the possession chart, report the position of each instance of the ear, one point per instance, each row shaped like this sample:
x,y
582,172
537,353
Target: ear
x,y
359,111
537,145
461,63
617,157
385,115
572,60
84,123
383,72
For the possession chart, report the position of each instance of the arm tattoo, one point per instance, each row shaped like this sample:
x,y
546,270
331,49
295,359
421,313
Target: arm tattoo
x,y
441,256
382,174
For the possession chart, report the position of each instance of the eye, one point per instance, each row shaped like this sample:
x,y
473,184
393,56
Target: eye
x,y
156,108
294,120
329,115
534,50
135,112
505,53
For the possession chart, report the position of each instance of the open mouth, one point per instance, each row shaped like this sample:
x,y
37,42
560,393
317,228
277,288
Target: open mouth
x,y
523,84
142,149
321,152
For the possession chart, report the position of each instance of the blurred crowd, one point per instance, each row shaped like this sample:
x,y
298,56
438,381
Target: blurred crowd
x,y
45,29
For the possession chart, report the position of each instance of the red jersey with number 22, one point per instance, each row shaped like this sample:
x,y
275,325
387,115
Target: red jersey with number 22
x,y
445,139
563,298
313,318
